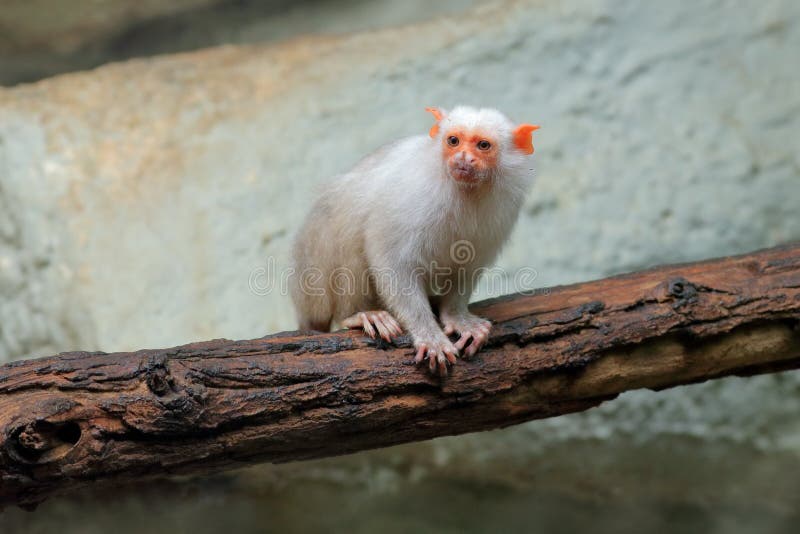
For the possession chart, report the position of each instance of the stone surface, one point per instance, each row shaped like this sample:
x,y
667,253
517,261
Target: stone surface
x,y
143,204
38,37
41,38
65,27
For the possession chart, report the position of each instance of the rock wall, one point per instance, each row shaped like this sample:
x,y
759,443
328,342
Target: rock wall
x,y
41,38
139,200
44,37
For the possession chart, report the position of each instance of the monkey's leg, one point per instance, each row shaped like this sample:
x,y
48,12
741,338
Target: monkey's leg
x,y
321,325
313,312
382,321
413,309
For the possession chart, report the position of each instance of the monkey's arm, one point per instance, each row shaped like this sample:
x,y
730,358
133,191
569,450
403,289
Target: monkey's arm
x,y
402,290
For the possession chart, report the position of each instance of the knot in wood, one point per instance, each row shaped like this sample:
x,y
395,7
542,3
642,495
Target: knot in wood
x,y
159,380
41,441
29,438
682,290
591,308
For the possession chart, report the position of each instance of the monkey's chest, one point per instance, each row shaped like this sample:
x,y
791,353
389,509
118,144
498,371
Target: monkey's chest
x,y
458,239
452,246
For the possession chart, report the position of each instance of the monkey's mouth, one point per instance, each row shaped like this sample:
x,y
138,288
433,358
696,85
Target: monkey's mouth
x,y
466,174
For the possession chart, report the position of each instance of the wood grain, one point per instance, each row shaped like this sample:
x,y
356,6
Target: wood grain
x,y
84,418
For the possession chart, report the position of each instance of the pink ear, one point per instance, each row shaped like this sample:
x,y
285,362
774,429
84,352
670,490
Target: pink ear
x,y
523,137
438,115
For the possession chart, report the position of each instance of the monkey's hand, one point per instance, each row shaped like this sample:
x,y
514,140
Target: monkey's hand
x,y
473,331
438,349
375,323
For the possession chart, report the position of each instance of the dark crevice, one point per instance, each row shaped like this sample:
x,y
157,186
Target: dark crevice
x,y
41,441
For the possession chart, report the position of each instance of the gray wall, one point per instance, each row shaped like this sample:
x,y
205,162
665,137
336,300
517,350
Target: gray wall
x,y
137,200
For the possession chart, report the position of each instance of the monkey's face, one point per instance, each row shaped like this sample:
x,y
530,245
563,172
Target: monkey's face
x,y
470,155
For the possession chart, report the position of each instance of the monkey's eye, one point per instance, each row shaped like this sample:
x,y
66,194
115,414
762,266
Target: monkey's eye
x,y
452,140
483,144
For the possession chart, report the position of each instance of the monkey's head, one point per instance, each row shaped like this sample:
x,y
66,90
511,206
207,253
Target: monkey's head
x,y
477,144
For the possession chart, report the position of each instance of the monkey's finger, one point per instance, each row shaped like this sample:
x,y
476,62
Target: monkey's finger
x,y
462,342
450,357
471,349
476,344
393,324
449,329
396,330
420,354
382,328
352,322
432,361
367,326
440,359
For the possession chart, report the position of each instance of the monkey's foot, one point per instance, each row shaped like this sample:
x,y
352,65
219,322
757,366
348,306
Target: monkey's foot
x,y
375,323
473,331
439,350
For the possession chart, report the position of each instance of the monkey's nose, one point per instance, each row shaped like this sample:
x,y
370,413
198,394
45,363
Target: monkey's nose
x,y
464,157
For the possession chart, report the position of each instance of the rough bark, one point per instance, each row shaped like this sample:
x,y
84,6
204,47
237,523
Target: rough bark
x,y
85,417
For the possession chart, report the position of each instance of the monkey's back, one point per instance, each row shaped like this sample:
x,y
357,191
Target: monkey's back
x,y
330,280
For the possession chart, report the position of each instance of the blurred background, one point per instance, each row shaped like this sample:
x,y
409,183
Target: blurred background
x,y
155,155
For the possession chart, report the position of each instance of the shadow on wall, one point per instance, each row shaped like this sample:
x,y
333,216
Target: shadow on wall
x,y
42,38
676,485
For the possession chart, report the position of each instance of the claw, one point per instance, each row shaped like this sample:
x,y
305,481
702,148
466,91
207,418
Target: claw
x,y
420,354
439,353
438,364
383,330
374,324
368,329
473,333
391,323
462,342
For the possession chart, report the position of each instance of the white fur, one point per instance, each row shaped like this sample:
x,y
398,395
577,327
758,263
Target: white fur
x,y
399,209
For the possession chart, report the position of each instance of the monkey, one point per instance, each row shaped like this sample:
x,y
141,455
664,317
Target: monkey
x,y
379,249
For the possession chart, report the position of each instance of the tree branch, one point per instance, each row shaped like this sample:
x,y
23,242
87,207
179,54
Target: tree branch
x,y
84,417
